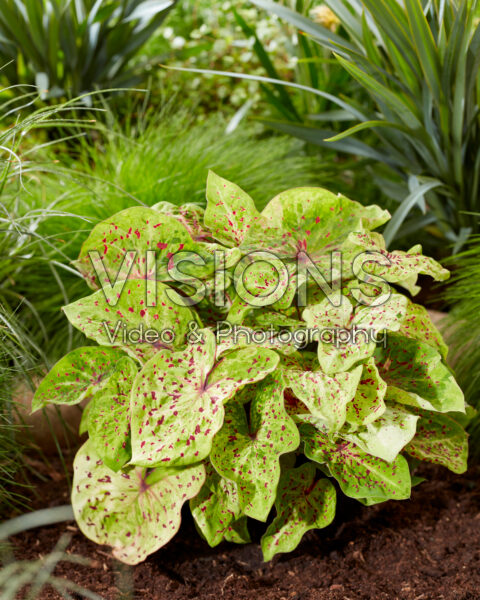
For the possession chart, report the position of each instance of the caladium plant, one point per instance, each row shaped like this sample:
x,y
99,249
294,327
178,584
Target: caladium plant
x,y
281,365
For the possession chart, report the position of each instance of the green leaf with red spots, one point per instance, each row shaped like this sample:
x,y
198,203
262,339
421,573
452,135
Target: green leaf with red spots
x,y
302,504
348,334
247,451
109,416
368,403
230,211
133,511
190,215
401,267
385,437
216,509
310,220
418,325
178,399
136,230
141,307
325,397
440,440
359,474
416,376
76,376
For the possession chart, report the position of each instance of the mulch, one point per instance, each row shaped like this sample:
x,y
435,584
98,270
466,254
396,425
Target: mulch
x,y
425,548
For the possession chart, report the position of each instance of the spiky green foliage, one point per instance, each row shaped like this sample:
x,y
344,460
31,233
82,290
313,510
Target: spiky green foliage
x,y
462,330
70,48
418,63
184,408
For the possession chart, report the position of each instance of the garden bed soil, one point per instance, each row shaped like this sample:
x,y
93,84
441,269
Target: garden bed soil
x,y
427,548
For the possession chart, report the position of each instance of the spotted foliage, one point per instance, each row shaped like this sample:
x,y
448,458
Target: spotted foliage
x,y
244,379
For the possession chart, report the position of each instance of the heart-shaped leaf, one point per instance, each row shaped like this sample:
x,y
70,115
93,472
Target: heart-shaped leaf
x,y
440,440
387,435
310,220
136,229
325,397
248,451
418,325
190,215
403,268
178,398
143,321
76,376
302,504
230,211
359,474
416,376
133,511
109,416
216,509
368,403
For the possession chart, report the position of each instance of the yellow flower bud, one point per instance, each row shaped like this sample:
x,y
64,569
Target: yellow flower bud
x,y
324,16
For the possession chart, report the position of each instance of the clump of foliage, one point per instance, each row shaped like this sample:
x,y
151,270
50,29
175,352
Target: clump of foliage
x,y
186,410
70,48
417,64
208,35
463,331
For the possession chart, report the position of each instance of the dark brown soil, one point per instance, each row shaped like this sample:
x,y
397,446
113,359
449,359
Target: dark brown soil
x,y
427,548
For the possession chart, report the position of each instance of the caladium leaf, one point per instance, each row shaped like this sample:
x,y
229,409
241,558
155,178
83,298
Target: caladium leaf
x,y
76,376
177,399
262,283
190,215
416,376
310,220
230,211
302,504
440,440
359,474
216,509
136,229
368,403
418,325
139,309
387,435
403,267
133,511
325,397
109,416
348,335
248,451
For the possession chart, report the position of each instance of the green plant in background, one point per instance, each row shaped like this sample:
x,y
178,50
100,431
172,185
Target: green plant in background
x,y
233,423
462,330
67,48
206,34
418,63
